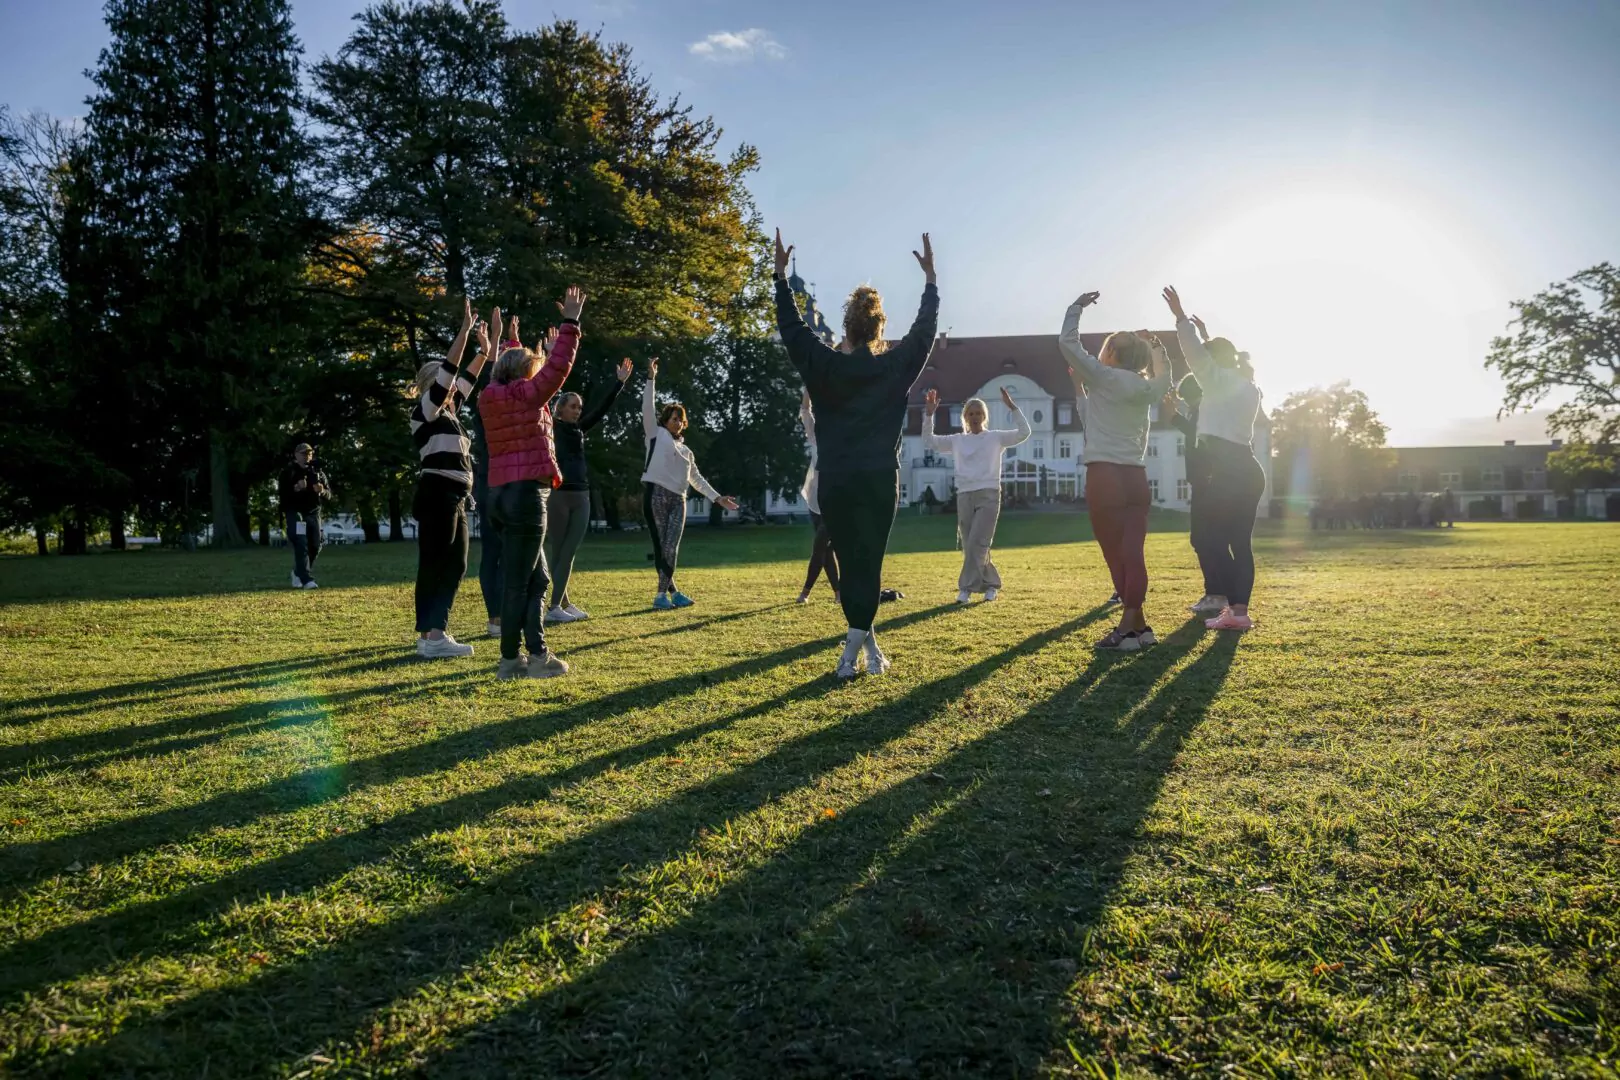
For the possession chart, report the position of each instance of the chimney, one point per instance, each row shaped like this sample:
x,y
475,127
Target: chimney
x,y
1507,442
1557,444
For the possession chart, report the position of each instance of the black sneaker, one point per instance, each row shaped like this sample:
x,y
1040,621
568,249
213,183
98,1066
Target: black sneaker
x,y
1115,599
1120,642
1146,636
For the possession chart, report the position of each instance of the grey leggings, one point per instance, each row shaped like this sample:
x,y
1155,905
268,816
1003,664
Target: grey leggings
x,y
666,520
567,518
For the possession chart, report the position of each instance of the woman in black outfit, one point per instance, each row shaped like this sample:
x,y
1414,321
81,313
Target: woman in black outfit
x,y
859,392
570,510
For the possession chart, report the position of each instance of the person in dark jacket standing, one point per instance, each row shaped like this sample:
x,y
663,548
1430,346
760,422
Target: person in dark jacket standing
x,y
303,487
859,392
570,511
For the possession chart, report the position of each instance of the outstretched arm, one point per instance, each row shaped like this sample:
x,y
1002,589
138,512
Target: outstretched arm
x,y
918,343
808,352
593,416
1085,367
1021,429
555,371
649,406
942,443
1199,362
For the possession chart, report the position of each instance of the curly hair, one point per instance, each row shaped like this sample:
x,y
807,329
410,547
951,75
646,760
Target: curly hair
x,y
864,319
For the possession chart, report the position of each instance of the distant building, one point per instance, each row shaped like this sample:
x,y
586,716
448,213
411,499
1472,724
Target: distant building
x,y
1491,482
1047,468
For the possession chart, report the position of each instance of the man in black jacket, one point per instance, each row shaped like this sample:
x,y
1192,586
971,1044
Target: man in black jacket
x,y
303,486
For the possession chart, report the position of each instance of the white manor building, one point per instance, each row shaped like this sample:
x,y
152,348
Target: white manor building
x,y
1047,468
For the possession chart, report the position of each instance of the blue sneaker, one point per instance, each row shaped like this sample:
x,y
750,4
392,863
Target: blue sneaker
x,y
662,603
680,599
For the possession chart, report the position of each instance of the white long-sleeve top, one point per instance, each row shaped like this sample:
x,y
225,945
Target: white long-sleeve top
x,y
1230,402
978,456
808,491
1118,401
669,461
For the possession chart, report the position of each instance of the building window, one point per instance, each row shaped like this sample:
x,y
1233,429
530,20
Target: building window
x,y
1153,449
1490,478
1181,448
1012,452
1039,452
1535,479
1065,450
1153,489
1183,490
1037,416
956,416
1409,480
1447,479
1065,414
903,496
792,499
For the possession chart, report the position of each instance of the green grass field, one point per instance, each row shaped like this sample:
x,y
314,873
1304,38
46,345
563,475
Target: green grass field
x,y
243,831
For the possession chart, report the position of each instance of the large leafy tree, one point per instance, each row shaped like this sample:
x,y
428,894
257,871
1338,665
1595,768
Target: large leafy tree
x,y
199,165
1328,441
1564,343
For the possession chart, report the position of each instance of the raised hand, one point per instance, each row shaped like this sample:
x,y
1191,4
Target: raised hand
x,y
466,315
482,334
622,372
547,340
495,325
513,330
1007,399
572,303
1170,404
1087,299
652,367
926,258
782,254
1172,298
1203,331
931,400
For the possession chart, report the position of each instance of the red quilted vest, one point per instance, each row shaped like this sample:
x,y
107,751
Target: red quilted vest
x,y
517,417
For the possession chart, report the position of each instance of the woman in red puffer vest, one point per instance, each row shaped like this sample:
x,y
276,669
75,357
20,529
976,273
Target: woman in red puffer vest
x,y
516,416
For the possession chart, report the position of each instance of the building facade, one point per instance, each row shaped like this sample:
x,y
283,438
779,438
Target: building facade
x,y
1509,481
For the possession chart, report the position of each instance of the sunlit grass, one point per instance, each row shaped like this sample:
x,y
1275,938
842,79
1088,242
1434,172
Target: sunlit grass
x,y
244,831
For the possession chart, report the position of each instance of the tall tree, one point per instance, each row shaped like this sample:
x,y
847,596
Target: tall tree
x,y
1565,343
199,162
1578,467
1328,441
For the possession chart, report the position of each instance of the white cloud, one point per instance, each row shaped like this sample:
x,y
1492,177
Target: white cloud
x,y
737,46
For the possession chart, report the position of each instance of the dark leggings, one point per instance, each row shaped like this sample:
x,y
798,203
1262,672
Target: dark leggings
x,y
518,510
440,510
489,546
858,510
821,556
1117,500
1233,484
666,521
1198,507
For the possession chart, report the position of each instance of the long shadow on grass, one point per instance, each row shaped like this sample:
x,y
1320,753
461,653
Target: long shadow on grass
x,y
23,863
327,992
862,951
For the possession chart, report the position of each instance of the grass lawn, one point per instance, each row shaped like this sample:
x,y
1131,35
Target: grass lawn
x,y
243,831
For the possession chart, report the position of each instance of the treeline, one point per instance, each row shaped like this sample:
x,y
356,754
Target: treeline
x,y
233,253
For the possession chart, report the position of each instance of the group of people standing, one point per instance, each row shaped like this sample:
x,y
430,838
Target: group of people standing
x,y
533,487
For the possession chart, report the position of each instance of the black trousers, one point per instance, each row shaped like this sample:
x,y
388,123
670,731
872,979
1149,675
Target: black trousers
x,y
858,509
1199,513
822,556
440,509
489,546
1233,485
518,512
306,545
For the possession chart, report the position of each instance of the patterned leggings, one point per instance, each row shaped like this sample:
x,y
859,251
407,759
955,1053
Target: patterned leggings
x,y
666,520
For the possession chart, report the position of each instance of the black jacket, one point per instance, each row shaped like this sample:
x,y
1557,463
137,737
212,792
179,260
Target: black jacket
x,y
860,398
302,502
570,440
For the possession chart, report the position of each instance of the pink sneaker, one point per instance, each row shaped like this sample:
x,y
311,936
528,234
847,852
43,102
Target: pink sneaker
x,y
1228,621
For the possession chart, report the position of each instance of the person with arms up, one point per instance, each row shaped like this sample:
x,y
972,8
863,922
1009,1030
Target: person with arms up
x,y
570,509
444,488
822,556
671,470
859,391
977,450
303,487
1119,400
1233,480
516,415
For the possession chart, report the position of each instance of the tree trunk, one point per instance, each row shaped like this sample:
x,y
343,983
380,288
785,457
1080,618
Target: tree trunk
x,y
264,532
74,533
40,544
610,509
368,524
226,531
115,524
396,516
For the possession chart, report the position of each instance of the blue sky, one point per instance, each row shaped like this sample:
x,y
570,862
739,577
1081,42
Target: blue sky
x,y
1347,190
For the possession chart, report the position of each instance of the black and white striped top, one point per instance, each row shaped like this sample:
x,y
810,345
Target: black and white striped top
x,y
436,427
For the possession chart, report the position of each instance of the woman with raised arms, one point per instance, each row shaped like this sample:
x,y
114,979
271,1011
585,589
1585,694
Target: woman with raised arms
x,y
977,450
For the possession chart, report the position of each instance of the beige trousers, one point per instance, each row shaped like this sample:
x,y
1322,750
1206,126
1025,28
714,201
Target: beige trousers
x,y
976,515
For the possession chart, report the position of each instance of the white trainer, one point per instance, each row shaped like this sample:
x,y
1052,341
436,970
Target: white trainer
x,y
1208,605
492,629
295,582
440,648
964,597
310,584
558,615
579,616
991,594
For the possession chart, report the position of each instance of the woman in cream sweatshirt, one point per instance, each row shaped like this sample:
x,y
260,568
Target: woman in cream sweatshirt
x,y
977,450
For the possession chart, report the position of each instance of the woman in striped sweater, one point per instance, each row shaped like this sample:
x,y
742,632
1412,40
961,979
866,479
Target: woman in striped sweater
x,y
444,487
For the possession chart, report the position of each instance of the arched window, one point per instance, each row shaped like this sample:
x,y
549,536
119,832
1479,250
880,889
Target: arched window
x,y
1037,416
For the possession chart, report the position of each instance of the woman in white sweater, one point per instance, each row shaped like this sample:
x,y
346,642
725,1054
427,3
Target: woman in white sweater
x,y
1233,481
977,450
671,469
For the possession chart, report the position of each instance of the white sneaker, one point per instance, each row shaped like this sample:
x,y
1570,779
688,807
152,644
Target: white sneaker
x,y
558,615
964,597
991,594
441,647
1208,605
876,662
310,584
295,582
846,670
578,615
492,629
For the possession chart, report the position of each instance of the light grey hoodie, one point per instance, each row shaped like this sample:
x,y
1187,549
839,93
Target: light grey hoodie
x,y
1118,402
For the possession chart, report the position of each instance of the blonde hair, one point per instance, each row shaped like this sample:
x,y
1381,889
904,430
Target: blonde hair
x,y
1130,351
426,376
968,404
864,319
515,363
